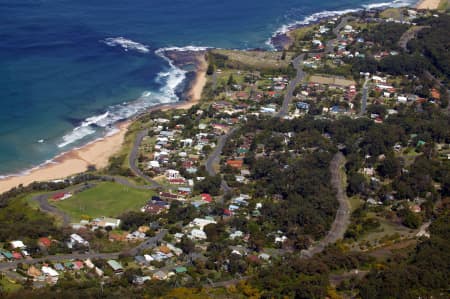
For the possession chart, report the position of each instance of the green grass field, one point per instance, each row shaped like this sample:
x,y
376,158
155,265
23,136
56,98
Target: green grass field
x,y
105,199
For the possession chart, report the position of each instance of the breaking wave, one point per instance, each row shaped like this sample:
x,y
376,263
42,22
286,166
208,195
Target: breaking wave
x,y
103,124
126,44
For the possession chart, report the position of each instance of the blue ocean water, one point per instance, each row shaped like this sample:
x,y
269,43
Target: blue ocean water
x,y
70,69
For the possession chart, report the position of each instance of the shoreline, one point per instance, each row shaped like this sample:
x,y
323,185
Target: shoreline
x,y
98,152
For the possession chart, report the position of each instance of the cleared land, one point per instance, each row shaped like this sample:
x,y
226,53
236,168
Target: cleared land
x,y
332,80
257,59
105,199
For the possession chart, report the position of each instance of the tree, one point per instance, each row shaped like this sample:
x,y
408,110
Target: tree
x,y
210,69
390,167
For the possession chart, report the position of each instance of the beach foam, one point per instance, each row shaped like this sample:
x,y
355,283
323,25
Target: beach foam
x,y
126,44
104,123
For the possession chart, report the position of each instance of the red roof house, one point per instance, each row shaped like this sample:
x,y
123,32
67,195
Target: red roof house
x,y
206,197
45,242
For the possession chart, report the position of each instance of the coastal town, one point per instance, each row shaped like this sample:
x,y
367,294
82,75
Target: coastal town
x,y
304,169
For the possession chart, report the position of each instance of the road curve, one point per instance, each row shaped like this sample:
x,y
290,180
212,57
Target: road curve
x,y
133,157
342,219
45,206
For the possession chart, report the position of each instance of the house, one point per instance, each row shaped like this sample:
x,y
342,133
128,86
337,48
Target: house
x,y
7,254
44,242
77,265
180,269
172,174
236,234
206,197
140,260
76,239
89,264
198,234
50,274
17,245
106,221
177,251
235,163
264,256
34,272
59,267
139,280
160,275
115,266
16,255
201,223
136,235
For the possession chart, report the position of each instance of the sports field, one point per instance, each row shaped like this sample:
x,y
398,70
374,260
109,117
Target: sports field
x,y
106,199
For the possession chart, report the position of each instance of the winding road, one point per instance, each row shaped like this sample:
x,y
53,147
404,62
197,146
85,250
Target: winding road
x,y
342,220
133,157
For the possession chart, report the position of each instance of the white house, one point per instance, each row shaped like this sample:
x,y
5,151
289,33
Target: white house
x,y
48,271
172,174
17,244
76,239
201,223
198,234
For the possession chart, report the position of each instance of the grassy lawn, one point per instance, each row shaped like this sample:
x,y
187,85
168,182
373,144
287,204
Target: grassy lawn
x,y
257,59
444,5
355,202
386,229
105,199
8,286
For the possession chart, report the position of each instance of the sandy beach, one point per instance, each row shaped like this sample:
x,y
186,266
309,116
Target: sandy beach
x,y
428,4
75,161
98,152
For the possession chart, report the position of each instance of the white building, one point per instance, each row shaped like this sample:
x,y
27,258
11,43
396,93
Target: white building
x,y
201,223
198,234
17,244
76,239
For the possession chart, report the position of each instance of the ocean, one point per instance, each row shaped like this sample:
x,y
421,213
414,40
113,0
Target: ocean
x,y
69,70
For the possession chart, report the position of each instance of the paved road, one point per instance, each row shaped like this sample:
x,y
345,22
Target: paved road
x,y
330,44
45,206
149,243
215,156
342,219
365,94
134,157
298,65
410,34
